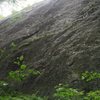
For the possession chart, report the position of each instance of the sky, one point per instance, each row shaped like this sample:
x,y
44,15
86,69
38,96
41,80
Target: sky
x,y
6,8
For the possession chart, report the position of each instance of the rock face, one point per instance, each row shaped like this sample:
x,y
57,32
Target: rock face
x,y
60,38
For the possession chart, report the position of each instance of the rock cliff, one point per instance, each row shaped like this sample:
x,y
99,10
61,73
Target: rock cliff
x,y
60,38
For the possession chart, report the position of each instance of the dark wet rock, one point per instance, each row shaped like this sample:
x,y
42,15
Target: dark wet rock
x,y
60,38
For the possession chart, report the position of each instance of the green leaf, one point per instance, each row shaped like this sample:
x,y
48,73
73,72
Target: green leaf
x,y
13,45
21,58
23,67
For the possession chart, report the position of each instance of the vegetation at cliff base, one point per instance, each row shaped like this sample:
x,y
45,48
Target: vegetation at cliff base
x,y
62,92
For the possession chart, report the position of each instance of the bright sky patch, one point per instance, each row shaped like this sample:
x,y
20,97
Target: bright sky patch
x,y
6,9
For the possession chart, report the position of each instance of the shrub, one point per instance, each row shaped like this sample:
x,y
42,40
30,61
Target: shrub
x,y
89,76
22,73
93,95
63,92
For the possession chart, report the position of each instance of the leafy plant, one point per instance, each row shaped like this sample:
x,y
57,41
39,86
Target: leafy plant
x,y
5,89
13,45
89,76
23,72
22,97
63,92
93,95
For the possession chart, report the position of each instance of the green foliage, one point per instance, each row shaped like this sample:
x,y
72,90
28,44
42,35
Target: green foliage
x,y
20,75
8,93
23,72
23,67
93,95
5,89
21,58
22,97
16,75
89,76
63,92
19,61
13,45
